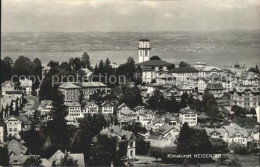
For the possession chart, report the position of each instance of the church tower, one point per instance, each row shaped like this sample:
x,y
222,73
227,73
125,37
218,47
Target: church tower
x,y
144,50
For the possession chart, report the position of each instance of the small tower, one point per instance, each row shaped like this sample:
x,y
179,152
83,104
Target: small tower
x,y
144,50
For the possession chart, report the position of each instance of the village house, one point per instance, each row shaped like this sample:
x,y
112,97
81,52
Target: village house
x,y
2,132
177,91
107,108
7,86
188,115
76,156
73,91
183,73
157,123
216,89
91,108
74,110
10,103
216,133
245,96
153,69
144,115
16,124
202,85
164,136
26,85
235,134
45,108
15,147
257,110
250,79
122,135
19,160
208,71
89,88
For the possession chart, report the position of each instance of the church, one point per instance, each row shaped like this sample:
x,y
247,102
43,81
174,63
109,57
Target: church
x,y
151,69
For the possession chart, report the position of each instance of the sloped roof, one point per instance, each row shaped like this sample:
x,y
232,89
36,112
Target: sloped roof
x,y
217,86
234,129
76,156
242,89
19,159
166,128
155,63
23,118
90,103
184,70
69,85
16,147
116,130
93,84
122,105
210,68
184,87
187,111
218,130
106,103
70,104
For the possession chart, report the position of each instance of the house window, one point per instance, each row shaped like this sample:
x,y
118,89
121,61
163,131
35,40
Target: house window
x,y
10,129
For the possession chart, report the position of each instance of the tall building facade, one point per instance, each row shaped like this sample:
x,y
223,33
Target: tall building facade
x,y
144,50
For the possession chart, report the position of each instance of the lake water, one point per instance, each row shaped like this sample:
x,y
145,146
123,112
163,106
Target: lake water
x,y
218,57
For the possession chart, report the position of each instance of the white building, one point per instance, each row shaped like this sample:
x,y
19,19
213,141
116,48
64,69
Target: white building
x,y
91,108
74,110
235,134
15,124
26,85
1,132
258,113
107,108
202,85
188,115
45,109
144,50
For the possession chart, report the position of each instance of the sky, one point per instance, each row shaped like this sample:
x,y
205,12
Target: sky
x,y
129,15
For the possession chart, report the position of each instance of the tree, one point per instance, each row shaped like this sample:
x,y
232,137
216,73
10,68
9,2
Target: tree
x,y
7,74
252,111
132,97
156,152
89,127
156,101
257,69
219,146
184,140
184,100
184,64
23,66
58,127
209,105
4,158
66,160
102,153
33,161
75,63
155,58
53,64
85,60
37,72
127,70
142,146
